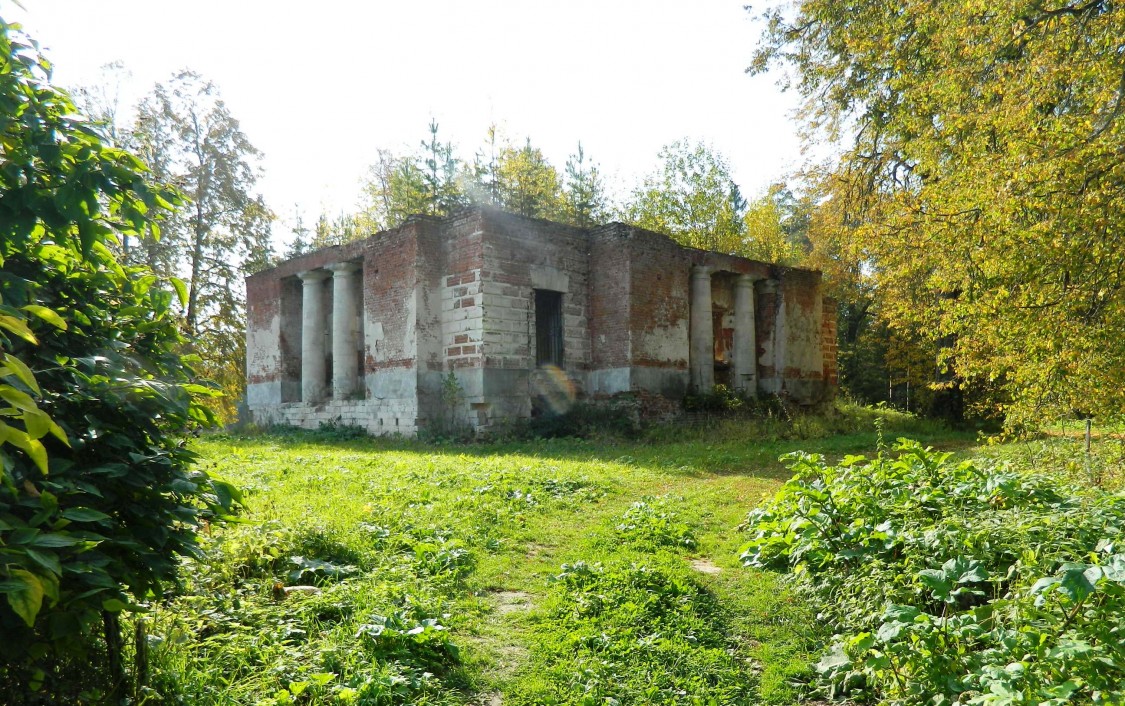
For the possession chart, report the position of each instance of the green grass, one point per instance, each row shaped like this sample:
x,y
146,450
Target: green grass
x,y
514,573
1064,456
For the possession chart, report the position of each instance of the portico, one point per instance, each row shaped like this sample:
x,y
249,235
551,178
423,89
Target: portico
x,y
709,345
329,354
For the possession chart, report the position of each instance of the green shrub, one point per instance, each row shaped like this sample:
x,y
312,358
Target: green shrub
x,y
337,430
98,496
720,399
649,523
582,420
950,583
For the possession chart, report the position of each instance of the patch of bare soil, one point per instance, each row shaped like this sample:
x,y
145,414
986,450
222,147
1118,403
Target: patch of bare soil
x,y
705,566
512,601
534,550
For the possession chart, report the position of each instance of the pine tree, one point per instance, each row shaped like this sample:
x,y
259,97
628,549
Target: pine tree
x,y
585,203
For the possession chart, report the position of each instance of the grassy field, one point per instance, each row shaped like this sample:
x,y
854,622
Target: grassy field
x,y
546,572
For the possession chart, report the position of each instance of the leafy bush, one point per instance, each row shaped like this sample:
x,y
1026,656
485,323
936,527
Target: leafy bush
x,y
649,523
951,583
582,420
339,431
720,399
98,497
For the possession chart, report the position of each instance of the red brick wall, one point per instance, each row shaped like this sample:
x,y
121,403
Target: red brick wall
x,y
828,343
263,306
460,292
765,324
389,279
660,290
610,276
457,293
429,264
801,350
513,247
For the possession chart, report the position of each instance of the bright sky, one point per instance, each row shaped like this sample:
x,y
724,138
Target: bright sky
x,y
319,87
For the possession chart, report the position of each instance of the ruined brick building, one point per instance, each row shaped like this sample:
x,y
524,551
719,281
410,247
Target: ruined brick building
x,y
522,310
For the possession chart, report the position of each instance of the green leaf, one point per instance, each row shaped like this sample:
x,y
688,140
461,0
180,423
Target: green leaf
x,y
298,687
48,315
1044,583
114,605
934,579
901,613
18,327
48,560
833,661
974,574
889,632
54,539
181,290
21,371
32,447
37,422
50,583
84,514
1075,585
57,432
26,595
19,400
228,495
38,454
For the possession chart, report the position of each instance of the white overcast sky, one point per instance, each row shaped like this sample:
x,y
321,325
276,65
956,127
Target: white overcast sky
x,y
319,86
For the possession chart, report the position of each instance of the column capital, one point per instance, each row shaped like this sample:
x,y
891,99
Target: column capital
x,y
702,270
744,281
307,276
343,269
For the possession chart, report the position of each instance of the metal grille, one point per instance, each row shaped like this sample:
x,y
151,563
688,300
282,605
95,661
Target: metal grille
x,y
548,328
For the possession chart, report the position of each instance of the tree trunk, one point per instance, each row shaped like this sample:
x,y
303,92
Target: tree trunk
x,y
112,625
198,232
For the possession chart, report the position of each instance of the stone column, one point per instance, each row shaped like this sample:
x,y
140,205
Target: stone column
x,y
745,341
345,372
312,336
702,334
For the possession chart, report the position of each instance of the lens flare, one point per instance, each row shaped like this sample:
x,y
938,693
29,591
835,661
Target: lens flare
x,y
554,390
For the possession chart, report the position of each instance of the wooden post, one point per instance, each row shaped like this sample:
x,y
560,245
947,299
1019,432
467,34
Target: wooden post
x,y
140,658
1089,424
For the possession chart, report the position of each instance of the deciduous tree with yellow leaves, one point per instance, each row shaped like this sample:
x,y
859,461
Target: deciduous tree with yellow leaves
x,y
982,179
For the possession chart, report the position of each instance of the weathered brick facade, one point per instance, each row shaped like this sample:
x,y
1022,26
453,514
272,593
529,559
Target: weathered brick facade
x,y
436,296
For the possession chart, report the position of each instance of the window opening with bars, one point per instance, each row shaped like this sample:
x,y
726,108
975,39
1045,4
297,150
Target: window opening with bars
x,y
548,328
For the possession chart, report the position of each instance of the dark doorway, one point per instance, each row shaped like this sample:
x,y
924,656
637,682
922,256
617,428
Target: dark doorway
x,y
548,328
